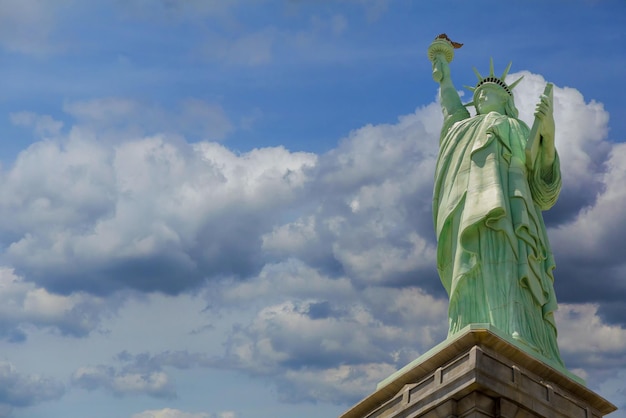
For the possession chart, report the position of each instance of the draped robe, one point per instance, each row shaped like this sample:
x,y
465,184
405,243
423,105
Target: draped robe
x,y
493,254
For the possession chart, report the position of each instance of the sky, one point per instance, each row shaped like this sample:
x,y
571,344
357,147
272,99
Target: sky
x,y
222,209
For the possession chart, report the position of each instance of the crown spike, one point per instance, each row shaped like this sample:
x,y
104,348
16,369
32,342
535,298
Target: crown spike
x,y
470,88
506,71
480,77
513,84
491,73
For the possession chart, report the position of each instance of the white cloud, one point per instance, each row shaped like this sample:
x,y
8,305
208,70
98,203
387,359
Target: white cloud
x,y
125,382
583,336
80,202
23,304
317,333
339,384
292,277
141,374
312,348
593,349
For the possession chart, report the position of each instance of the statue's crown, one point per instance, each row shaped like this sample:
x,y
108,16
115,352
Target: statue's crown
x,y
492,79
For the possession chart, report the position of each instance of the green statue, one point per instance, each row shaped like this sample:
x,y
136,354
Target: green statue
x,y
493,179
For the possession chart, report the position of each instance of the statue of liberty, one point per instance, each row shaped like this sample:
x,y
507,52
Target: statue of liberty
x,y
494,177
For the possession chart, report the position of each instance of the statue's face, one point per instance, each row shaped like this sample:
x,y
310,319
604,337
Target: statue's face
x,y
490,98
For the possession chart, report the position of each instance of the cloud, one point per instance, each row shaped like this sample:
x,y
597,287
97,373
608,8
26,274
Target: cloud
x,y
586,341
319,332
593,349
373,217
140,374
24,305
175,413
155,384
100,217
20,390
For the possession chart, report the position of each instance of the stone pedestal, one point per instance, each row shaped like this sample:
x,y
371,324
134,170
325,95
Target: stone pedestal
x,y
481,373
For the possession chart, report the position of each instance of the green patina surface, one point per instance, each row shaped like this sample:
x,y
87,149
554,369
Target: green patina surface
x,y
493,254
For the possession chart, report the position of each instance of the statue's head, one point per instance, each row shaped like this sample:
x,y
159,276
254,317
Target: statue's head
x,y
493,94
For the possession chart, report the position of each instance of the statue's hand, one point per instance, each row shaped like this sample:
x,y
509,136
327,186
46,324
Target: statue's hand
x,y
441,70
544,112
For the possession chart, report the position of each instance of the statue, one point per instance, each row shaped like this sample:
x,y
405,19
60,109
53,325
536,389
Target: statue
x,y
493,179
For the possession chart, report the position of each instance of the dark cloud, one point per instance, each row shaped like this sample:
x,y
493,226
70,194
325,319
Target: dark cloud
x,y
20,390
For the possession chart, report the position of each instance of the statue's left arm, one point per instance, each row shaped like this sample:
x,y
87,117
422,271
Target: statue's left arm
x,y
545,178
547,150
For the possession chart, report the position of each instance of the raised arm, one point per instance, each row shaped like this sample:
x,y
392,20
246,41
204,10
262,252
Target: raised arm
x,y
451,104
544,112
545,175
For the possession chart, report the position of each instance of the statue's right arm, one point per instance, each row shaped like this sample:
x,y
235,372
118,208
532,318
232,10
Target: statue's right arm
x,y
451,104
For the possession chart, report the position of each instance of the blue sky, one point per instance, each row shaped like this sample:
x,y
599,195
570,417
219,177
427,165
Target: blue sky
x,y
221,209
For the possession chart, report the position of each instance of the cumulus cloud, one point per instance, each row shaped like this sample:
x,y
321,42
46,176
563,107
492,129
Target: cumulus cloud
x,y
373,219
592,348
140,374
156,384
319,332
24,305
91,215
133,379
20,390
587,341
